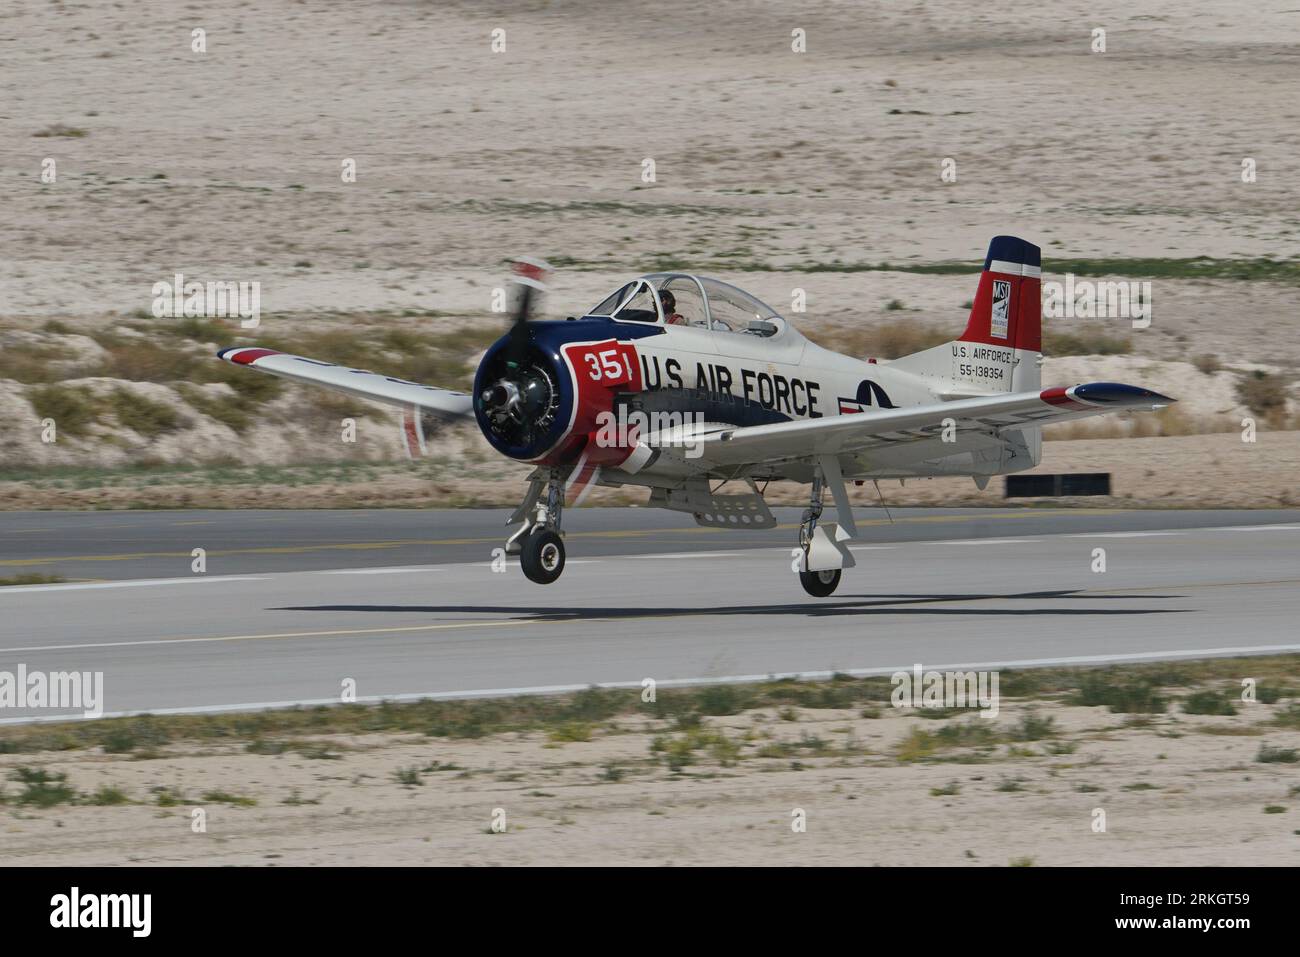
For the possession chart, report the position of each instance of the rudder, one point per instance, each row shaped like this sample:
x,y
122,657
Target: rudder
x,y
1007,310
999,350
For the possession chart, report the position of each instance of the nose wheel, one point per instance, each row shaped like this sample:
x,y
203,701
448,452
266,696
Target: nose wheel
x,y
820,584
542,556
538,541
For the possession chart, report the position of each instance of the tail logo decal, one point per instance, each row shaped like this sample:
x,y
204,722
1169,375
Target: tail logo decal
x,y
1001,308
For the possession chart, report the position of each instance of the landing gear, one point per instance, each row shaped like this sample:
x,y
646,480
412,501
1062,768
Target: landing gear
x,y
820,584
825,553
811,514
539,542
542,556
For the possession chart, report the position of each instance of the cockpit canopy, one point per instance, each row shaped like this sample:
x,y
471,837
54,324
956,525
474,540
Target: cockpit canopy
x,y
673,298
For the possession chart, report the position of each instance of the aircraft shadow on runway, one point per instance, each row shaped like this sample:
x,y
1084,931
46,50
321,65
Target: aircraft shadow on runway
x,y
859,605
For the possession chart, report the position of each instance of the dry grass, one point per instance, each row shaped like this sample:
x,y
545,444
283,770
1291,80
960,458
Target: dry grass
x,y
143,415
74,410
1168,421
32,363
60,129
182,350
883,340
571,717
1083,341
180,355
893,338
1264,394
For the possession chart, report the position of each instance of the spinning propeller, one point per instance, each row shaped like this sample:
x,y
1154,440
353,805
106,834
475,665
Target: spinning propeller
x,y
519,402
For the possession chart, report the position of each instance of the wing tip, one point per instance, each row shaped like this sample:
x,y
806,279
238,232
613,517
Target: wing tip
x,y
1118,393
244,355
1114,394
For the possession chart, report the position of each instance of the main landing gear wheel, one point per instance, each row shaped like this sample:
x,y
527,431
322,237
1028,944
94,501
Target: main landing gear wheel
x,y
542,556
819,584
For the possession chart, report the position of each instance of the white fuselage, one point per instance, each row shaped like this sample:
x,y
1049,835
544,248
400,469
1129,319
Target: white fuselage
x,y
788,374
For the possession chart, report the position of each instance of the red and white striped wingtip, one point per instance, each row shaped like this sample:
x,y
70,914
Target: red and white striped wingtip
x,y
245,355
1116,395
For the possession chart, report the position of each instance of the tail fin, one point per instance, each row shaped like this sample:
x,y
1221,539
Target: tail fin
x,y
1007,310
998,352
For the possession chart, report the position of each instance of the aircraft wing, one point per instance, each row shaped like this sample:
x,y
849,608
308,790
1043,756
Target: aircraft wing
x,y
444,403
854,432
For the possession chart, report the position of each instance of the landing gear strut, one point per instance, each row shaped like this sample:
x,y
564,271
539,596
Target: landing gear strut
x,y
825,554
539,543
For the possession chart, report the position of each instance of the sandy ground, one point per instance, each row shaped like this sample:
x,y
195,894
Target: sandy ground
x,y
769,164
226,164
1172,793
1194,471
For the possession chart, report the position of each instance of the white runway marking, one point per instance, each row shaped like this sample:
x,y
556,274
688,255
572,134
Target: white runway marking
x,y
335,633
396,570
679,555
984,541
1123,534
1256,528
130,583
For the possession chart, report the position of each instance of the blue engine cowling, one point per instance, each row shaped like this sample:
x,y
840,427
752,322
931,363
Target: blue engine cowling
x,y
525,399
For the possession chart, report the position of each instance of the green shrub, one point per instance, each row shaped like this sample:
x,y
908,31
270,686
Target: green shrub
x,y
1209,702
571,731
73,409
43,788
224,797
108,797
1122,696
1033,727
408,777
1269,755
1262,393
721,700
142,415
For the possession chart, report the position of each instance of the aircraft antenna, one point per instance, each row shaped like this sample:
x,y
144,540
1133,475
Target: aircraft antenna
x,y
881,496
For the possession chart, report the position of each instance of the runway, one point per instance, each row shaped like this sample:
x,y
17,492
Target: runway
x,y
97,546
406,603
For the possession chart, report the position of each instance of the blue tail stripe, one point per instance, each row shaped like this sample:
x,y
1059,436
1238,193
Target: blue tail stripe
x,y
1010,249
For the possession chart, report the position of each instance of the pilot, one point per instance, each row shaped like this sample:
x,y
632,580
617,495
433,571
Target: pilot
x,y
669,302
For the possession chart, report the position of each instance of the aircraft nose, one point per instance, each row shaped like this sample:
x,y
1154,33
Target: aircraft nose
x,y
495,395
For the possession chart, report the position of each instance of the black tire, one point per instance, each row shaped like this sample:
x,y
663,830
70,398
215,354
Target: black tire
x,y
542,557
820,584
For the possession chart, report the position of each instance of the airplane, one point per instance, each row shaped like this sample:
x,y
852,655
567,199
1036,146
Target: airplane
x,y
684,384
